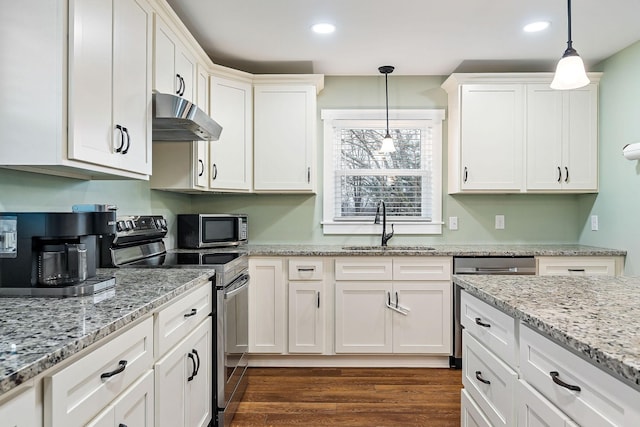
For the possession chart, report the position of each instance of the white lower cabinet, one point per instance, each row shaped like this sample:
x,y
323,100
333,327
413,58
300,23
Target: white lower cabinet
x,y
308,303
76,394
183,381
585,393
132,408
22,410
267,305
489,381
580,266
382,313
471,414
546,385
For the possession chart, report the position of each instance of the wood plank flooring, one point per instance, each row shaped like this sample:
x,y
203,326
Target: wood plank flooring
x,y
351,397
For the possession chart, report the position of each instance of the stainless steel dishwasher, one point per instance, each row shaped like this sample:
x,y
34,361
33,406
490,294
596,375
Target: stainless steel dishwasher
x,y
482,265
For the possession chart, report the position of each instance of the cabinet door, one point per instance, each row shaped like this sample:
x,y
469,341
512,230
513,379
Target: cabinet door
x,y
21,410
267,305
306,317
134,407
580,152
426,326
185,73
164,68
363,321
132,83
182,385
109,77
232,155
544,138
284,140
200,167
91,136
199,391
491,135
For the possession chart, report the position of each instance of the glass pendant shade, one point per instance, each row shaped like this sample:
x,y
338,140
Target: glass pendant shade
x,y
387,145
570,73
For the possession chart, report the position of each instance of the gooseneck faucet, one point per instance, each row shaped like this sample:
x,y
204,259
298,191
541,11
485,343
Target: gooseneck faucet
x,y
385,237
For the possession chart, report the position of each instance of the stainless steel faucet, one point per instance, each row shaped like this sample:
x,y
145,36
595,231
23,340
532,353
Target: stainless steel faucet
x,y
385,237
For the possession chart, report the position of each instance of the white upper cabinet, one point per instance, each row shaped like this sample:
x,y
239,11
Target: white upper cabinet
x,y
89,113
231,157
511,133
562,139
285,134
174,65
109,91
491,135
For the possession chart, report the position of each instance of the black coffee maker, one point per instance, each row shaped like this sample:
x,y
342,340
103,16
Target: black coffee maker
x,y
54,253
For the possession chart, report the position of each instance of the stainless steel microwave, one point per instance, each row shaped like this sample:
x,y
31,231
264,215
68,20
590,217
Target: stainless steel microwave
x,y
212,230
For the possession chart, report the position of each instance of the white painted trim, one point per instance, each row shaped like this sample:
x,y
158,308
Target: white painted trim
x,y
329,226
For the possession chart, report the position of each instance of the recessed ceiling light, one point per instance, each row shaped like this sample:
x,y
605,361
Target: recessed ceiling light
x,y
323,28
536,26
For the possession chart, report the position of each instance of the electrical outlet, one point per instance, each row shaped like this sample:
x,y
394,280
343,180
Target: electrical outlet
x,y
594,222
499,222
453,223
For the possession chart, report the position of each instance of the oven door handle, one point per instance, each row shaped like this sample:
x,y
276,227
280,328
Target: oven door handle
x,y
244,280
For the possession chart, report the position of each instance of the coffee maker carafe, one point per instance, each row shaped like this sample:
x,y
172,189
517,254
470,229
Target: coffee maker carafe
x,y
64,264
54,253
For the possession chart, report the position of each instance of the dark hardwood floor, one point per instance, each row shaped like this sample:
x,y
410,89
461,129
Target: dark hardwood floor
x,y
351,397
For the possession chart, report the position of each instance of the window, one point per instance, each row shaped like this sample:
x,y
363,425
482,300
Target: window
x,y
357,176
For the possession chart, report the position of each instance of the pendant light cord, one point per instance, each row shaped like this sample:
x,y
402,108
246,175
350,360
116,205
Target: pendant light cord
x,y
569,41
386,89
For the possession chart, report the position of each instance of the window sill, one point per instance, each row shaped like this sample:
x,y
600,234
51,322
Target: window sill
x,y
334,227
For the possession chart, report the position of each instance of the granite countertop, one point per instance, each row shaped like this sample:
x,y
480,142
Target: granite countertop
x,y
596,317
38,333
430,250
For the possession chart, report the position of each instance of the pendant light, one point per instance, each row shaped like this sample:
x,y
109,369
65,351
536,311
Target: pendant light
x,y
570,72
387,142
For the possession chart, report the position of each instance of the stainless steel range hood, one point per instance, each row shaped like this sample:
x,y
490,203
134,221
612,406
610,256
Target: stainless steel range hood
x,y
177,119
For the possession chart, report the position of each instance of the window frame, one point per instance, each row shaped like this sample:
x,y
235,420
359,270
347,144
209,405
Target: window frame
x,y
329,118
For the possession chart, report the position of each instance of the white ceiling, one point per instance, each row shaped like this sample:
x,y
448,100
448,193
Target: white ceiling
x,y
418,37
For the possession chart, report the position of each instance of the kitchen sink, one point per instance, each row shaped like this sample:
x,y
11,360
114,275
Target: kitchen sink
x,y
388,248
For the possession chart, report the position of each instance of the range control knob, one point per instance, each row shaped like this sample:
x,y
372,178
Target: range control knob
x,y
120,226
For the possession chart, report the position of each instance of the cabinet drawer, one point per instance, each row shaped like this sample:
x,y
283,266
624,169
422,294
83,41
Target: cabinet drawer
x,y
77,393
472,416
305,269
576,266
601,401
489,381
490,326
364,268
175,321
534,410
422,268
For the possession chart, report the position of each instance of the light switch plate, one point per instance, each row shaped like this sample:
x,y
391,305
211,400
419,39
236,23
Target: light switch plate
x,y
499,222
594,222
453,223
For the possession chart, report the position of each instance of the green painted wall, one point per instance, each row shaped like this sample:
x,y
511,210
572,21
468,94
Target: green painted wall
x,y
296,218
31,192
618,203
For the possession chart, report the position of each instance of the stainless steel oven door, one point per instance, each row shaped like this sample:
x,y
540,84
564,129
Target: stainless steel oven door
x,y
232,338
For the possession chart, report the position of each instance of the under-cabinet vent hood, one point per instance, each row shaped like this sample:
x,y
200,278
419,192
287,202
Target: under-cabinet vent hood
x,y
177,119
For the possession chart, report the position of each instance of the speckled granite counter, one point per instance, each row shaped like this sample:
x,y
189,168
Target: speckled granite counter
x,y
37,333
431,250
596,317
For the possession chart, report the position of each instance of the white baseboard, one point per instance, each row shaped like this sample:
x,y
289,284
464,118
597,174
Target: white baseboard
x,y
348,361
